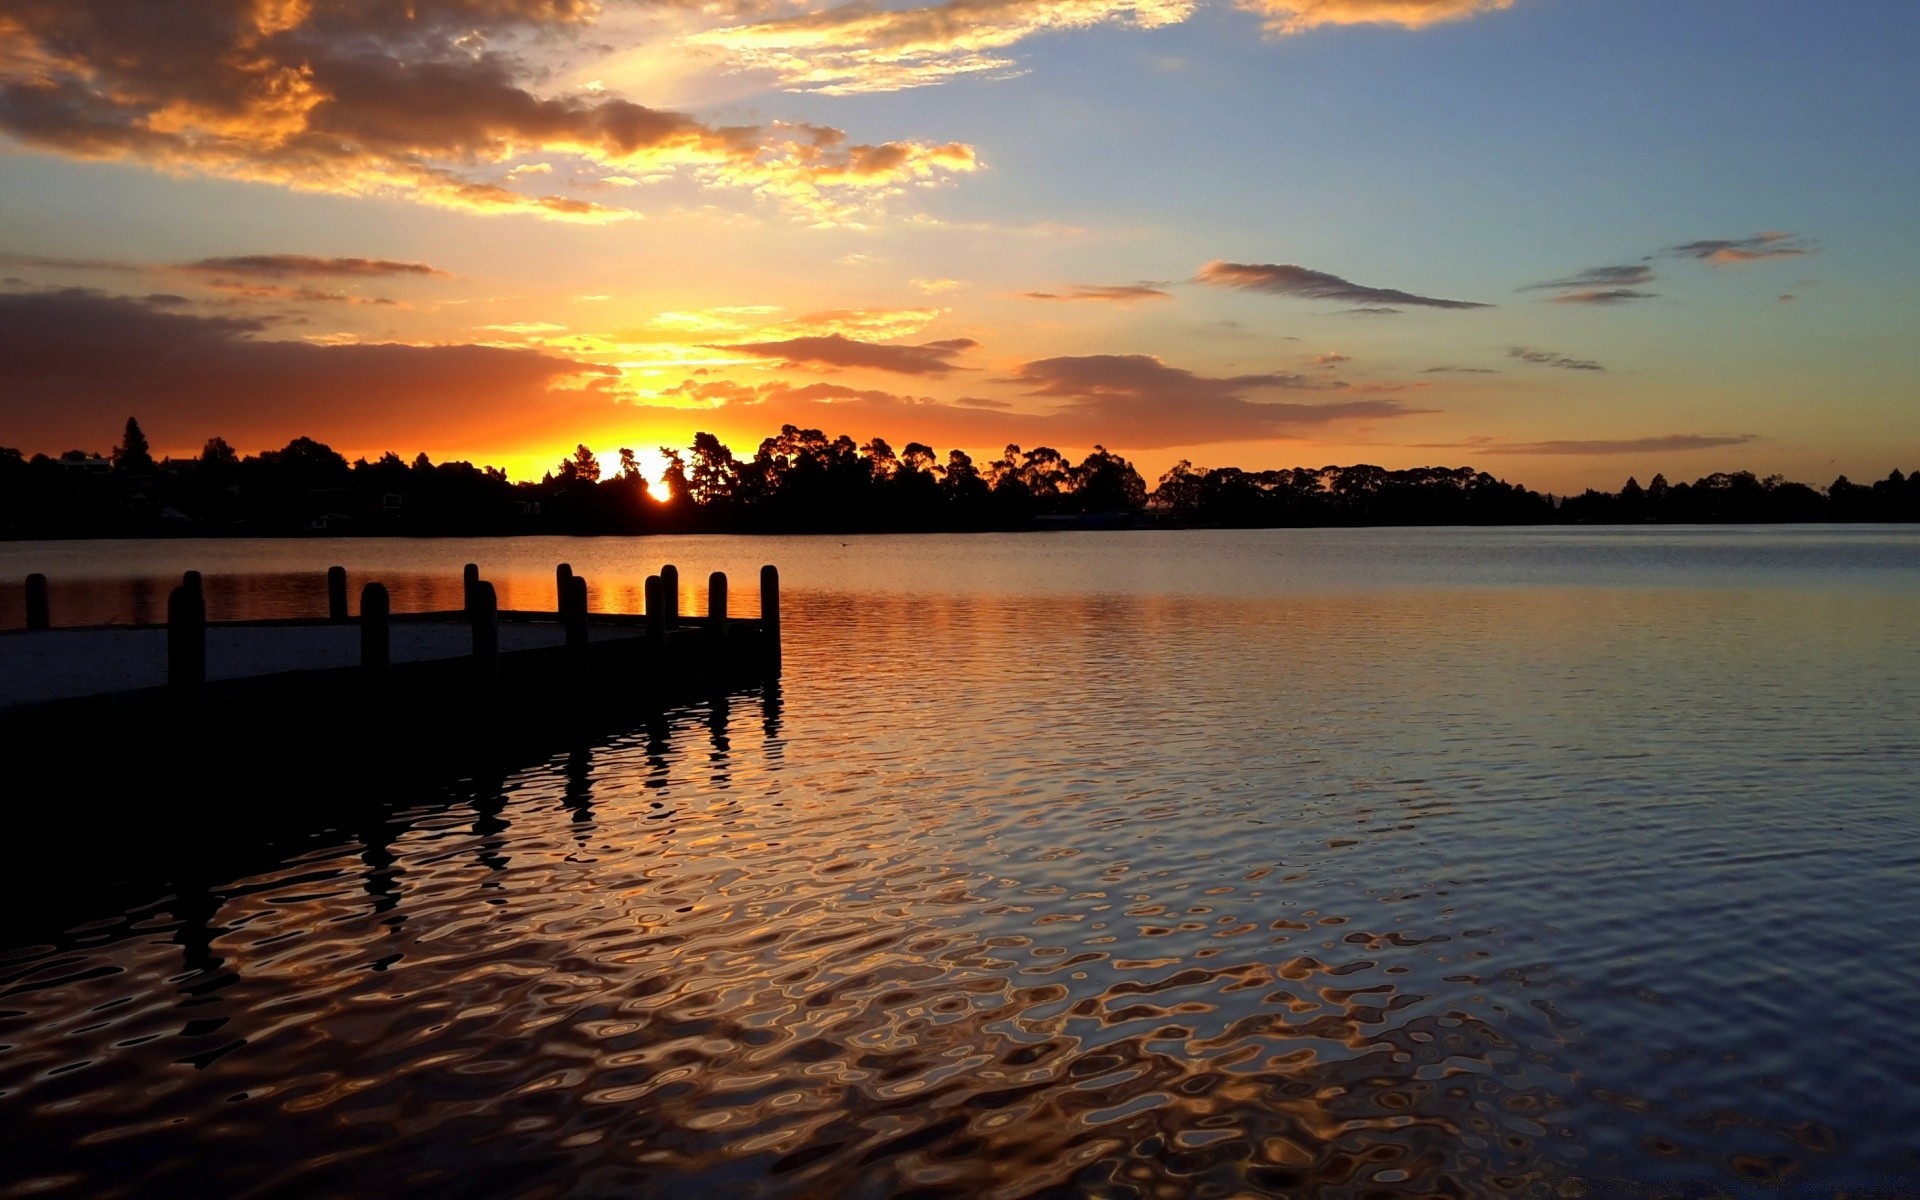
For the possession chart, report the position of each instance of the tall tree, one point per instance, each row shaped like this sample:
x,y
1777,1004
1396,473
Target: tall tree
x,y
132,453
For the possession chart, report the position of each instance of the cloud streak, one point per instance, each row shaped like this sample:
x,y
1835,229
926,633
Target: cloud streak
x,y
1109,294
1724,252
306,266
1666,443
1301,16
1287,279
1553,358
837,351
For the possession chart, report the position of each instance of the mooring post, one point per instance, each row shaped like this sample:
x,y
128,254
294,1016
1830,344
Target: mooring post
x,y
656,614
336,594
561,574
38,614
573,611
192,582
670,594
469,581
717,612
486,632
186,638
376,630
770,618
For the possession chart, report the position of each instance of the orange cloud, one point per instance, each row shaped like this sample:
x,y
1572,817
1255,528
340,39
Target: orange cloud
x,y
76,363
361,97
1299,16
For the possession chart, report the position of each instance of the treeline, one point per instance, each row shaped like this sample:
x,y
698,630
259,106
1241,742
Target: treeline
x,y
800,480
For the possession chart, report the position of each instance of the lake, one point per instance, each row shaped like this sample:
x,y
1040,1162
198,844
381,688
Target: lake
x,y
1534,862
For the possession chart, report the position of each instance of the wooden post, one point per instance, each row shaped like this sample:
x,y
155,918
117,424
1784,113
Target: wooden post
x,y
376,631
670,594
186,638
37,612
469,580
486,633
573,610
192,582
770,619
336,594
561,574
656,613
717,612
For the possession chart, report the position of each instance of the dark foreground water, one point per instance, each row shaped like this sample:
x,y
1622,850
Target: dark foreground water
x,y
1300,863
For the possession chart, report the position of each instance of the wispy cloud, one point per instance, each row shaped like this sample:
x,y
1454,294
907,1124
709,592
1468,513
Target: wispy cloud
x,y
1287,279
1629,275
839,351
1604,296
1459,371
1131,293
1135,401
1553,358
860,47
1300,16
306,266
1665,443
1722,252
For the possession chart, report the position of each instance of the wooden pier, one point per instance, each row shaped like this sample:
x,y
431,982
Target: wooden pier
x,y
197,703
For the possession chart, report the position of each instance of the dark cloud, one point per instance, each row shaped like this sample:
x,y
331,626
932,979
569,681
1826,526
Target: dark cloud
x,y
1631,275
1551,358
1371,310
306,266
1728,251
1667,443
425,100
1131,401
1459,371
1604,296
1286,279
75,363
36,262
1112,294
838,350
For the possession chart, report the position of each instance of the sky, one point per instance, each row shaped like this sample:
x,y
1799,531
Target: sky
x,y
1563,241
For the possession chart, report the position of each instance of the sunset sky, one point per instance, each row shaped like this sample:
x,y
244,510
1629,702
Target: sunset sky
x,y
1562,240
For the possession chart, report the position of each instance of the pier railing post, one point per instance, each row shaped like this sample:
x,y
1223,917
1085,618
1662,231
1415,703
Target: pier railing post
x,y
469,580
561,592
486,633
376,630
770,619
38,614
717,613
670,594
186,638
336,594
573,610
656,615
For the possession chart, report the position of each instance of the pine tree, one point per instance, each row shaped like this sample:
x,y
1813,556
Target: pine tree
x,y
132,453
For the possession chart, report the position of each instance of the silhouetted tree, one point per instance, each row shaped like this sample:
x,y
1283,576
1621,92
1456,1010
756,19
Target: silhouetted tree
x,y
132,454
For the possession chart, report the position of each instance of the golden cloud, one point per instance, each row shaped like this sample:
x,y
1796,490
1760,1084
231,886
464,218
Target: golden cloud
x,y
860,48
359,97
1299,16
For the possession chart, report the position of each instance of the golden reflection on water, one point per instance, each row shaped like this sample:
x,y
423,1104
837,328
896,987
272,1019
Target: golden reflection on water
x,y
1541,891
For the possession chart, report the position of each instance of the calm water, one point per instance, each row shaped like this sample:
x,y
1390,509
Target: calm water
x,y
1293,863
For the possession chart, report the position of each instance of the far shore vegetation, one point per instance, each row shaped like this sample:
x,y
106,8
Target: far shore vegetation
x,y
802,481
